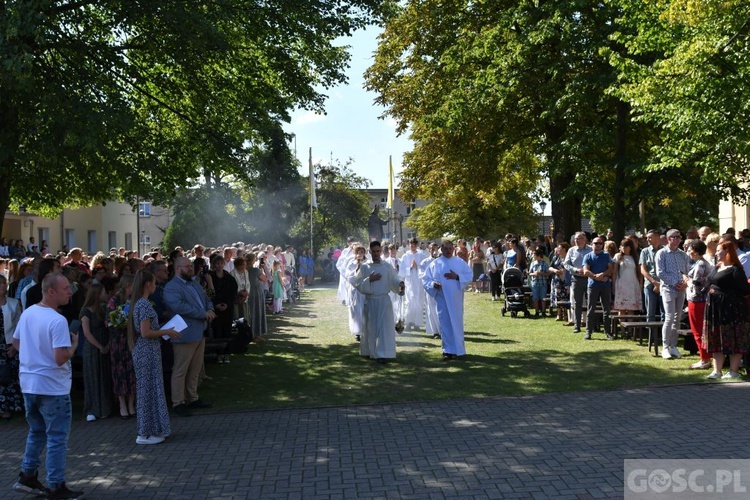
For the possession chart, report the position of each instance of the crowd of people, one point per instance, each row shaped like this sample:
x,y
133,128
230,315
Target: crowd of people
x,y
132,320
700,281
127,308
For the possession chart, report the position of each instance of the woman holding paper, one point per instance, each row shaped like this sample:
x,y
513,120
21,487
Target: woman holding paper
x,y
143,339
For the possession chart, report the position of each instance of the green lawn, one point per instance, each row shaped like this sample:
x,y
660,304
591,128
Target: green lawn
x,y
310,360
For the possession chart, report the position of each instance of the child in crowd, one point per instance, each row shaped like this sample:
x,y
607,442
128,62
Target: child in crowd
x,y
278,288
539,272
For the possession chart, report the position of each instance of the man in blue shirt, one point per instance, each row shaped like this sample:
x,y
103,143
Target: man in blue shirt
x,y
184,296
598,268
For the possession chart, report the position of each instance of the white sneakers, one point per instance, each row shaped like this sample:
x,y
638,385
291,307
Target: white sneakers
x,y
714,375
700,365
90,418
149,439
670,352
731,376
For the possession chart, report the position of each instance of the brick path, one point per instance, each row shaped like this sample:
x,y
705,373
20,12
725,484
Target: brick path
x,y
568,445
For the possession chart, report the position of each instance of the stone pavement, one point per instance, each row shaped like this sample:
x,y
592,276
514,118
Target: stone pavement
x,y
569,445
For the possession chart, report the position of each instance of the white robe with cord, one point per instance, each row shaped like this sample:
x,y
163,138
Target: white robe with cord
x,y
396,299
356,300
432,323
379,336
342,294
449,299
415,294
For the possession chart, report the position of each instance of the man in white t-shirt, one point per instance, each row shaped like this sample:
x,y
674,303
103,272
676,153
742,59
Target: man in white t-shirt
x,y
45,345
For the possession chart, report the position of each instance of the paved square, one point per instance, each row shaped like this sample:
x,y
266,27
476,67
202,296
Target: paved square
x,y
569,445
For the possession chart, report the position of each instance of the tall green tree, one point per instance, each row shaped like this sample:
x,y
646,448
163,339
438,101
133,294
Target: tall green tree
x,y
501,95
343,207
685,69
109,99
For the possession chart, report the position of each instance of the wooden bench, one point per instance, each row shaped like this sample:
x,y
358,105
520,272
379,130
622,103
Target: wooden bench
x,y
638,327
615,318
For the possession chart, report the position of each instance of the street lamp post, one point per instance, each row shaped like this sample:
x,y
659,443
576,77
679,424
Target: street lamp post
x,y
543,206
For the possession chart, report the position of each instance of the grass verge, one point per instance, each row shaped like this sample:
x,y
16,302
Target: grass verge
x,y
311,360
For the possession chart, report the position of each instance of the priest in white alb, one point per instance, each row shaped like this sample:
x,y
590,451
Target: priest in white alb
x,y
415,294
445,279
374,280
432,325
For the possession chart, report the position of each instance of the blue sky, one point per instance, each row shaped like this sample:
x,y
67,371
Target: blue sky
x,y
351,127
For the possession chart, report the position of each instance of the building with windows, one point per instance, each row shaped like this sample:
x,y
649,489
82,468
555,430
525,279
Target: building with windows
x,y
96,228
397,228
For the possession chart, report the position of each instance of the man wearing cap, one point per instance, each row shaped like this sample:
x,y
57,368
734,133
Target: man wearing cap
x,y
672,265
598,267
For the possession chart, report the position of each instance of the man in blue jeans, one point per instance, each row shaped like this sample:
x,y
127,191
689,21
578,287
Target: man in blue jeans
x,y
45,345
651,291
598,267
672,265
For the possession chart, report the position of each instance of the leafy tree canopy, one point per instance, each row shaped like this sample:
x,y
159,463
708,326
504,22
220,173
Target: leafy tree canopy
x,y
498,96
686,70
109,99
343,207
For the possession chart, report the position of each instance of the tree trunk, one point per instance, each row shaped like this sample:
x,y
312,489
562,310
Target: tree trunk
x,y
621,165
566,206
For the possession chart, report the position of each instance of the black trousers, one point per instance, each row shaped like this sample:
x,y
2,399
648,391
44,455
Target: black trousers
x,y
496,283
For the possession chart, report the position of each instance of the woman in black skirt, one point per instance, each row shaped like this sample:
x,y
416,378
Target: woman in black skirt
x,y
725,327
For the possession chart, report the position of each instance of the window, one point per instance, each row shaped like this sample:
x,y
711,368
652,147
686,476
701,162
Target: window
x,y
410,235
112,239
91,240
146,241
144,209
42,235
70,238
409,207
129,241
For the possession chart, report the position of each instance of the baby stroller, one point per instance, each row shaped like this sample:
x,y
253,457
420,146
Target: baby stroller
x,y
291,286
515,300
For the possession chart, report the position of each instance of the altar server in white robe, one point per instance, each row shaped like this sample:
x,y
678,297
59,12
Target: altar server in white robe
x,y
375,279
445,279
389,255
356,298
415,293
342,294
432,324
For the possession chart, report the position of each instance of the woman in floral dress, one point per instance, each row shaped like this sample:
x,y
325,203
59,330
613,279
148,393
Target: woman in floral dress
x,y
144,337
725,326
123,376
11,399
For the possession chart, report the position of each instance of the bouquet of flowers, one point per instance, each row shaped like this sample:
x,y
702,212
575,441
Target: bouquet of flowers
x,y
118,318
